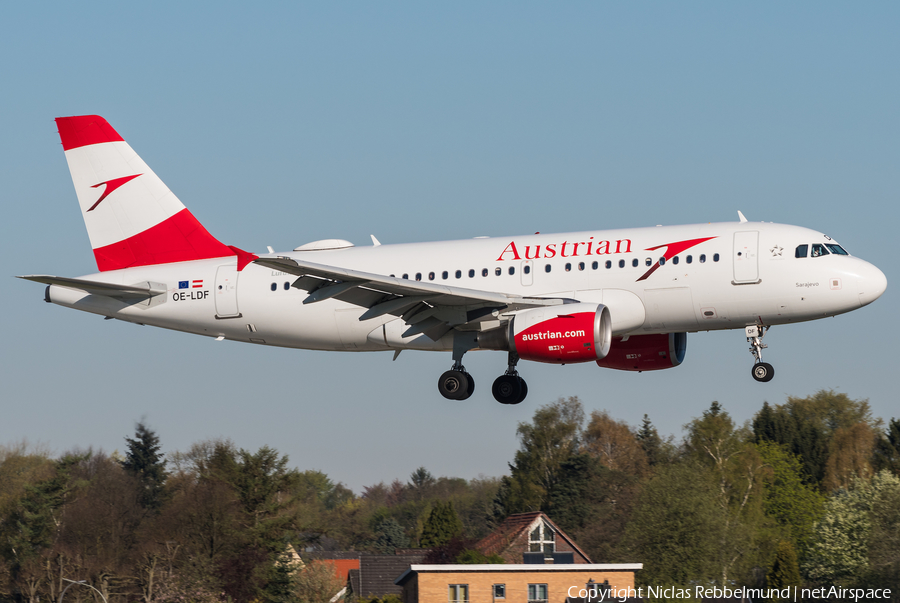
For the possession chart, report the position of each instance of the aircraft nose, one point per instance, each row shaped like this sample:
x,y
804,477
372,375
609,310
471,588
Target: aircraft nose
x,y
872,284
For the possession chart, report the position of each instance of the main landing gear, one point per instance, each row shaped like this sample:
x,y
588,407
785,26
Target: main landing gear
x,y
761,371
458,384
509,388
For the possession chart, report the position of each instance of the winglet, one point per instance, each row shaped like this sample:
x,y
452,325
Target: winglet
x,y
741,216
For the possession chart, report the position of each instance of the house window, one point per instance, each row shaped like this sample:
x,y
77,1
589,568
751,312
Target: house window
x,y
537,593
499,591
542,540
458,593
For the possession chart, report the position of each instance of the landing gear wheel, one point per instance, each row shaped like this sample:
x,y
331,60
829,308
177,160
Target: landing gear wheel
x,y
524,390
507,389
763,371
456,385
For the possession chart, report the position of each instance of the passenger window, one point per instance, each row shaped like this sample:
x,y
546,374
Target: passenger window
x,y
405,276
418,276
836,249
817,250
675,260
595,265
459,274
662,261
526,269
287,286
431,276
581,265
648,262
444,275
471,274
715,257
635,262
568,267
274,287
689,259
608,264
547,268
512,270
484,272
498,271
801,251
702,258
621,263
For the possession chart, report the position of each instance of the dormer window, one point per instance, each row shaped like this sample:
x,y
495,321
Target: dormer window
x,y
542,539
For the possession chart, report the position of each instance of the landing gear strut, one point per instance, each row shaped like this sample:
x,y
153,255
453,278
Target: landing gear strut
x,y
509,388
761,371
457,383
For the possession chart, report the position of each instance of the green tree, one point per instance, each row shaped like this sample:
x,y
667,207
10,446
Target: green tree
x,y
545,444
794,506
390,536
676,526
887,449
442,525
144,461
657,450
839,551
785,570
717,443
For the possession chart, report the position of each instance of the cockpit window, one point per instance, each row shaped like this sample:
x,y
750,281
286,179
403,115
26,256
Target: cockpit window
x,y
836,249
818,249
801,251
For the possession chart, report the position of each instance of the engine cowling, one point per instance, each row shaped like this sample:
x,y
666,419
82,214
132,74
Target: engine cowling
x,y
557,335
646,352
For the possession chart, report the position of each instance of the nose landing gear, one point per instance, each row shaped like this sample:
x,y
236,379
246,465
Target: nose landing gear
x,y
761,371
510,388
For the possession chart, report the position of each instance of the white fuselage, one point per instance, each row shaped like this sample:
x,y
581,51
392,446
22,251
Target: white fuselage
x,y
743,273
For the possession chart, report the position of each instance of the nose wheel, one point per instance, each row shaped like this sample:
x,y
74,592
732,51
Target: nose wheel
x,y
761,371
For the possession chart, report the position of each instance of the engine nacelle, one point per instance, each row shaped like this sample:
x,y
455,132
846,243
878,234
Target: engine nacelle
x,y
646,352
558,335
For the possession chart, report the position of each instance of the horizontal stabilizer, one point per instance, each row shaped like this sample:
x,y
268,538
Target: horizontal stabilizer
x,y
123,292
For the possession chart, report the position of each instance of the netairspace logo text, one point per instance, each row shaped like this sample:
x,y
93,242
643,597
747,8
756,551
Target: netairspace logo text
x,y
699,592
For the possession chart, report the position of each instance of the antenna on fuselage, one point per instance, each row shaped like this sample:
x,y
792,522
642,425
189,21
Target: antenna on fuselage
x,y
741,216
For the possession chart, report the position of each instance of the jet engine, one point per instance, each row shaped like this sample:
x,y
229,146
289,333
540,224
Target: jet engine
x,y
646,352
557,335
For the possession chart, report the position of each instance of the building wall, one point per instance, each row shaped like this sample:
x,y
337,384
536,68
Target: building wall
x,y
432,587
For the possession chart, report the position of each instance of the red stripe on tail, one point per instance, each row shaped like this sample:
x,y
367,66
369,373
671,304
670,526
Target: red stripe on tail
x,y
83,130
180,238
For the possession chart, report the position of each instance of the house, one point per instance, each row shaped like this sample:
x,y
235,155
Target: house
x,y
532,538
519,583
377,574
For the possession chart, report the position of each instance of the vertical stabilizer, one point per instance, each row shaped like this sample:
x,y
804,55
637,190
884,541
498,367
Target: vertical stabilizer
x,y
132,218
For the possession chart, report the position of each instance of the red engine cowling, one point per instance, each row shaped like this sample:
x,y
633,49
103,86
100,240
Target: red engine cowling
x,y
646,352
562,334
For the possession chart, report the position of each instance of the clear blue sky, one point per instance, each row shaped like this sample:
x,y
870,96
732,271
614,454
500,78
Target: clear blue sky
x,y
290,122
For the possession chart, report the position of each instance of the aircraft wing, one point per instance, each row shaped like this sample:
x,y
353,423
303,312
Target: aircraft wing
x,y
123,292
429,308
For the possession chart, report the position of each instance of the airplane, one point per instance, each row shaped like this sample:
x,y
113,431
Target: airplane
x,y
625,299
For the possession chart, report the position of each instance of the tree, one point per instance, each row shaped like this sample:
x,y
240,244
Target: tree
x,y
442,525
655,448
794,505
850,455
318,582
144,461
545,444
839,550
390,536
614,445
676,526
785,570
887,449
